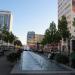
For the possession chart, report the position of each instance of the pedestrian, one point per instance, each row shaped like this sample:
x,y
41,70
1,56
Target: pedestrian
x,y
49,55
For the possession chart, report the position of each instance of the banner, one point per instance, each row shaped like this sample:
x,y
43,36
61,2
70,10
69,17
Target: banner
x,y
73,6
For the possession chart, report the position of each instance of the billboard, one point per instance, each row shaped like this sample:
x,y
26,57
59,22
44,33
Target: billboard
x,y
73,6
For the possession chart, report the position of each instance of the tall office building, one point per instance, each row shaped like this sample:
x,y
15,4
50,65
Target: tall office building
x,y
67,8
6,20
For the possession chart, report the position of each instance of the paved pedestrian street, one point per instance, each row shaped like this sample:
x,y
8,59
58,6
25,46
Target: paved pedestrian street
x,y
5,67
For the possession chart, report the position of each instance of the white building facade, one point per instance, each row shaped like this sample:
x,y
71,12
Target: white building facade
x,y
67,8
6,19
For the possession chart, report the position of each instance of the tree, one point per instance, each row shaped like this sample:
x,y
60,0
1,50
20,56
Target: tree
x,y
5,36
74,22
8,37
62,27
52,30
43,42
52,35
64,32
5,33
12,37
57,37
17,42
46,38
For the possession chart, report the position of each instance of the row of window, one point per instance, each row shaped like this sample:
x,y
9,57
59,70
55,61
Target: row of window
x,y
64,7
66,10
64,4
61,2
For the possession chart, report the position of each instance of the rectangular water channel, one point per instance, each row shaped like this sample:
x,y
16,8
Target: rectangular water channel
x,y
34,63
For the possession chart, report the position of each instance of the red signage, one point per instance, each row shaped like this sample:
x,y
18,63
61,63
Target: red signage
x,y
73,6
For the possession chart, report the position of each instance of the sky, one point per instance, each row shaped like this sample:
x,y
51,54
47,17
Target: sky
x,y
30,15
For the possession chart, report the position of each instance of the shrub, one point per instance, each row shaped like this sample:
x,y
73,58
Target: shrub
x,y
72,59
52,56
18,54
62,58
12,57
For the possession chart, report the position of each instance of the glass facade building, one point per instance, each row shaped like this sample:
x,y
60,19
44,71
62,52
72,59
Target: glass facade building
x,y
67,8
6,20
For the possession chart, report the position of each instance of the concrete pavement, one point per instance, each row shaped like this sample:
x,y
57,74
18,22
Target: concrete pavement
x,y
5,67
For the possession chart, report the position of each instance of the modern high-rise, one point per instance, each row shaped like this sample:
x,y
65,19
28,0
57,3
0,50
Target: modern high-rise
x,y
6,20
67,8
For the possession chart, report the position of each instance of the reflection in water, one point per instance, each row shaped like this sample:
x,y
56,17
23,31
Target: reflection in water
x,y
32,61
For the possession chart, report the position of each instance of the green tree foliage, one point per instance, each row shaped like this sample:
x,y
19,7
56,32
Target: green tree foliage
x,y
5,34
74,22
17,42
52,35
43,42
12,37
8,37
52,30
62,27
47,36
57,37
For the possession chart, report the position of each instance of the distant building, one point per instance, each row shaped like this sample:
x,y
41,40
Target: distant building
x,y
33,39
38,38
6,19
30,37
